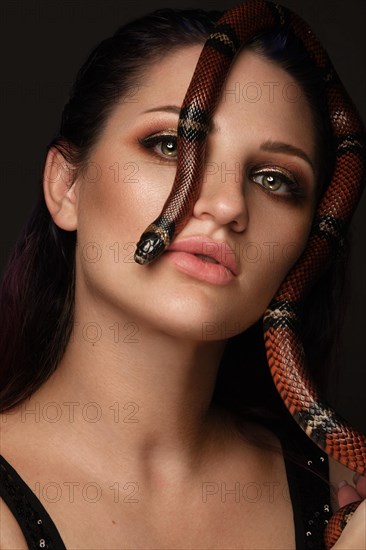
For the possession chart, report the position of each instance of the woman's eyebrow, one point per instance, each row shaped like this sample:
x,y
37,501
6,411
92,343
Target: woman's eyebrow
x,y
281,147
176,110
165,108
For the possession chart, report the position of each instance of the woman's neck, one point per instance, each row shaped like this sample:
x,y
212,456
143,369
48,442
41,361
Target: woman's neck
x,y
143,395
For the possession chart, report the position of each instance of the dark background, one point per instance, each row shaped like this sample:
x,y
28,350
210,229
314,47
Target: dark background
x,y
43,45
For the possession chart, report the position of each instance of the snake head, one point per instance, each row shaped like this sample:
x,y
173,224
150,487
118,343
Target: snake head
x,y
154,240
149,247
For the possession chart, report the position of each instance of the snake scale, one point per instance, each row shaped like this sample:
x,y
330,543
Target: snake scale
x,y
284,348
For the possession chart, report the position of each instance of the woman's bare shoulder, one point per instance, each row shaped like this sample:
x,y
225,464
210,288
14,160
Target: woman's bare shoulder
x,y
337,473
11,536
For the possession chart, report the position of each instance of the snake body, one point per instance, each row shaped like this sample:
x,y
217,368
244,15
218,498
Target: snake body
x,y
284,348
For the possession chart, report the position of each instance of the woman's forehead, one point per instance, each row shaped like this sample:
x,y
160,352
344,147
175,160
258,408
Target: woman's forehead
x,y
258,97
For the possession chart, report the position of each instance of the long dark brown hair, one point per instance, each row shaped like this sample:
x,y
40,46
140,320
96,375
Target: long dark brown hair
x,y
38,286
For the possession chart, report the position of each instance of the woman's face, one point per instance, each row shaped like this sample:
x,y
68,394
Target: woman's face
x,y
257,199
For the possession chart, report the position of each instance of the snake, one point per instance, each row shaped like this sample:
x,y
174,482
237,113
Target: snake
x,y
284,350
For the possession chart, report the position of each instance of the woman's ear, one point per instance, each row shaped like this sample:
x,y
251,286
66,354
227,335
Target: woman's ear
x,y
60,194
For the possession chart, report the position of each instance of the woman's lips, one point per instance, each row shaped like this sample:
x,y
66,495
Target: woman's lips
x,y
189,263
186,254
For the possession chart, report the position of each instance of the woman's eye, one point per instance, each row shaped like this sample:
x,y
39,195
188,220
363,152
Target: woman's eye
x,y
274,180
164,145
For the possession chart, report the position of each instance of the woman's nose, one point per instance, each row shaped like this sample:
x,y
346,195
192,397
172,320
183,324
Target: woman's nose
x,y
222,195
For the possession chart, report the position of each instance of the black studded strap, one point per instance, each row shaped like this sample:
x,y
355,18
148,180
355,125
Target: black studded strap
x,y
307,469
37,526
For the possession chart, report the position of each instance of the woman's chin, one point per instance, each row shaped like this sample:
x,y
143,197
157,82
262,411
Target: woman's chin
x,y
178,307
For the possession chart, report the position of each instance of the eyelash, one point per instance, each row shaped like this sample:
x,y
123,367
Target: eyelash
x,y
296,194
